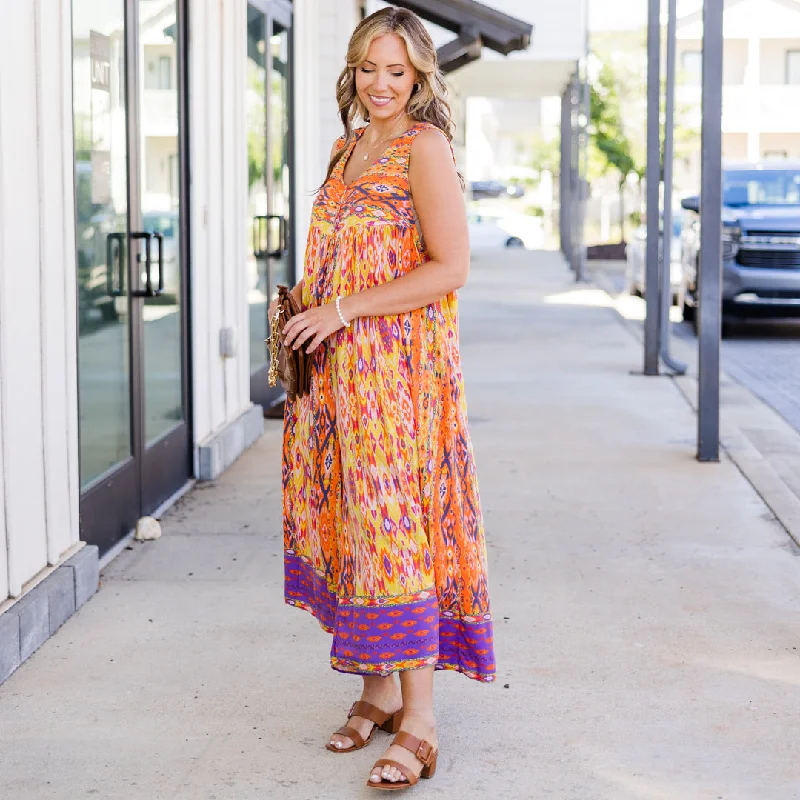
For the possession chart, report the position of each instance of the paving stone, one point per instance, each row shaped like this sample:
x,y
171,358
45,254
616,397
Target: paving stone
x,y
9,644
86,565
217,454
61,596
33,611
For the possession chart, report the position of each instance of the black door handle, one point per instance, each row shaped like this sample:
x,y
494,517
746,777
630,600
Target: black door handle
x,y
148,291
119,238
260,247
159,237
147,237
277,252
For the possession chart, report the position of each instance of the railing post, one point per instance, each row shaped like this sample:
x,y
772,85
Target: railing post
x,y
665,295
710,277
653,177
565,174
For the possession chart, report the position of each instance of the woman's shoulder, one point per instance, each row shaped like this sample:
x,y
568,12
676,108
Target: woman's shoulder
x,y
430,143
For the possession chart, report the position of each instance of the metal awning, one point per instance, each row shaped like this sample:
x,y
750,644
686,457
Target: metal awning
x,y
475,25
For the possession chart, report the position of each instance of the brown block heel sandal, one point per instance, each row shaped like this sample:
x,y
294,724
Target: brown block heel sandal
x,y
424,753
386,722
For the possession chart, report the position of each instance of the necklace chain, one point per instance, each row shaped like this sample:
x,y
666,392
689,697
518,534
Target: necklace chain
x,y
375,144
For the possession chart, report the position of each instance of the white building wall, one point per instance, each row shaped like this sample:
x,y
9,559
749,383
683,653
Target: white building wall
x,y
38,359
773,59
761,112
217,53
321,33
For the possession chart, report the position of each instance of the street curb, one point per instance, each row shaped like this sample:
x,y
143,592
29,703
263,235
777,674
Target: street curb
x,y
781,500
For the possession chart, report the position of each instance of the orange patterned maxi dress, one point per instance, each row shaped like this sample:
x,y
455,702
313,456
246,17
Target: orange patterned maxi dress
x,y
383,534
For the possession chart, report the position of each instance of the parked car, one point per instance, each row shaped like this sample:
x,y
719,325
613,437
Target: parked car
x,y
760,242
482,189
495,189
489,231
636,258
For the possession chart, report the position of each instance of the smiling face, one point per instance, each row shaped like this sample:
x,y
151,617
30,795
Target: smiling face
x,y
385,79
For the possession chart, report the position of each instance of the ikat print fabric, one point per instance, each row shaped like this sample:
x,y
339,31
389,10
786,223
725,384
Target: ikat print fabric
x,y
383,532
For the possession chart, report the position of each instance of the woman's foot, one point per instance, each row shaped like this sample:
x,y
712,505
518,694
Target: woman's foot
x,y
423,726
381,692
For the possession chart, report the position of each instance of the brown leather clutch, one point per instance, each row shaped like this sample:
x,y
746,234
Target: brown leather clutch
x,y
291,367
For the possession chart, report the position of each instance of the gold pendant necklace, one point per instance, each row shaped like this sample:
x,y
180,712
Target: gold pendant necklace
x,y
372,147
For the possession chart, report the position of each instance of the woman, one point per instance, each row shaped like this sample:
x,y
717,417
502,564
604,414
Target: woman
x,y
382,525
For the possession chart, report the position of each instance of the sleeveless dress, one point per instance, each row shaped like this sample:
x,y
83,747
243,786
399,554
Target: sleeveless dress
x,y
383,533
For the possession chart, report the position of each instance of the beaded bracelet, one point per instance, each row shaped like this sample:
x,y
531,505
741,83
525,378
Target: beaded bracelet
x,y
339,312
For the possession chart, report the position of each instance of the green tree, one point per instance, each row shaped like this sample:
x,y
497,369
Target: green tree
x,y
613,149
545,155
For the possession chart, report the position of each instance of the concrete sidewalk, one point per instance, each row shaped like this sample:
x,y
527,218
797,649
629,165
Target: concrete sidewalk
x,y
647,608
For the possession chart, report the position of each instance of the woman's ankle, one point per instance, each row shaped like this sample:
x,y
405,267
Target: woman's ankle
x,y
422,717
382,688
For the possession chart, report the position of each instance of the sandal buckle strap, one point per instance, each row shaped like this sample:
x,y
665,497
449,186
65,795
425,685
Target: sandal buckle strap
x,y
424,753
421,749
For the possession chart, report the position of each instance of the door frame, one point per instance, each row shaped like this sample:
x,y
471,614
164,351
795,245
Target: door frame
x,y
113,502
171,453
282,12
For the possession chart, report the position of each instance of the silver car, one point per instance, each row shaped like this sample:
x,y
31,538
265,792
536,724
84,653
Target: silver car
x,y
636,258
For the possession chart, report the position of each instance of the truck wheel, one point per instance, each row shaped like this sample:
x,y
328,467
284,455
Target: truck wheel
x,y
728,327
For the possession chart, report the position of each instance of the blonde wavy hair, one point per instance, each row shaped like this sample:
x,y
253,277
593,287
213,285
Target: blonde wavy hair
x,y
428,101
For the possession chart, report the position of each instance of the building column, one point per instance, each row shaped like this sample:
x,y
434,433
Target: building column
x,y
565,194
752,80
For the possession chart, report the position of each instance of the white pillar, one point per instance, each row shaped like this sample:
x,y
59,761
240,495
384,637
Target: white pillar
x,y
309,161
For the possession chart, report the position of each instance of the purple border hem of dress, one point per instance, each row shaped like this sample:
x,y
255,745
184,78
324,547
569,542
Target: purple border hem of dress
x,y
456,644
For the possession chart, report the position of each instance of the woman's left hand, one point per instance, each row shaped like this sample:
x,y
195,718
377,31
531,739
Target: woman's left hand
x,y
313,326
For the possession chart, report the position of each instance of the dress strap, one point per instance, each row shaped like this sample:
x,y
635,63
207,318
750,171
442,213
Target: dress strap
x,y
418,127
348,149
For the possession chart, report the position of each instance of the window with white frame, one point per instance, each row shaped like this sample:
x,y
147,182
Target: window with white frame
x,y
164,72
692,67
793,66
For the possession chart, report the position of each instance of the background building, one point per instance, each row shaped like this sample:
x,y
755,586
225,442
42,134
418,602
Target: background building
x,y
761,90
761,81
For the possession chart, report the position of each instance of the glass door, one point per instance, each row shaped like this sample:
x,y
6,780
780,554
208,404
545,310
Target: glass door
x,y
134,441
161,329
270,253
